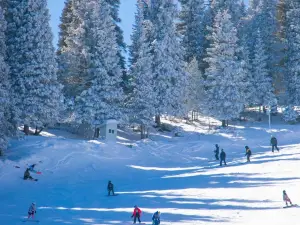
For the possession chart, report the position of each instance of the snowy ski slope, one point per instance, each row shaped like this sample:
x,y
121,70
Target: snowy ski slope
x,y
177,176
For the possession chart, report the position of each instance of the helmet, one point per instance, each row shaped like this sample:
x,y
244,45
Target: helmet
x,y
135,206
33,203
283,191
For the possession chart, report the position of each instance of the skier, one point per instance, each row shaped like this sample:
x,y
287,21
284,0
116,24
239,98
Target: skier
x,y
223,157
217,152
27,175
274,143
32,210
286,198
248,153
110,188
136,214
156,218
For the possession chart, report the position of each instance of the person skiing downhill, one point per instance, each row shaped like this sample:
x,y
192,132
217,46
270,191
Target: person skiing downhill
x,y
274,143
248,153
223,157
136,214
156,218
286,198
32,210
110,188
217,152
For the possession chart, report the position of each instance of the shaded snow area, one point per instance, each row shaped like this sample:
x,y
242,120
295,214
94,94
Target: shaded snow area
x,y
176,175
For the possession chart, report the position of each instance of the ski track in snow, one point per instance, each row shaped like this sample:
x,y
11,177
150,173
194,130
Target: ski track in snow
x,y
177,176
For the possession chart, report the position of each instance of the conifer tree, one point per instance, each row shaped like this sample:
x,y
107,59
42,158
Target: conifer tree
x,y
7,128
103,99
143,100
262,79
192,29
293,52
168,65
31,58
225,87
71,55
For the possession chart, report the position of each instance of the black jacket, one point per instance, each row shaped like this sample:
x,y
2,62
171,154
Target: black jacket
x,y
223,155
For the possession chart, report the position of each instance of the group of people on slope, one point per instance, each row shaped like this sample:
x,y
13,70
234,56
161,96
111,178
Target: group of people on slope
x,y
137,212
222,156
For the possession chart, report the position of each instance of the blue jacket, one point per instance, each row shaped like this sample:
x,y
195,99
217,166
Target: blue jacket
x,y
156,218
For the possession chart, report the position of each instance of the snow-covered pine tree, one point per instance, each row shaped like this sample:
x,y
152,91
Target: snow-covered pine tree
x,y
168,65
264,91
292,78
225,87
5,99
140,16
31,58
142,100
290,115
233,7
265,20
122,48
71,56
104,98
192,29
195,90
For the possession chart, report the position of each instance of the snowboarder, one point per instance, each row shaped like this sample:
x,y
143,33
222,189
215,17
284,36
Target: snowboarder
x,y
110,188
223,157
32,210
248,153
217,152
286,198
27,175
274,143
136,214
156,218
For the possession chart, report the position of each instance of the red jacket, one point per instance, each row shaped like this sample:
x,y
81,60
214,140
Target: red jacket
x,y
137,210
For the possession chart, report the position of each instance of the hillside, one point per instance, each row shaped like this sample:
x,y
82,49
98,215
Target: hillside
x,y
176,175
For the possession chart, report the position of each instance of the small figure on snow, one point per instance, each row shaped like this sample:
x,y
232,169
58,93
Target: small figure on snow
x,y
156,218
32,210
27,175
136,214
248,153
274,143
110,188
223,157
286,198
217,152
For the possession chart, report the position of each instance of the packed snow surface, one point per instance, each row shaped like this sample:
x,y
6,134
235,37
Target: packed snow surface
x,y
176,175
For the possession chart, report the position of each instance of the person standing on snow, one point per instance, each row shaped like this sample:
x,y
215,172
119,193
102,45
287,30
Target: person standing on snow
x,y
136,214
217,152
32,210
274,143
110,188
286,198
223,157
248,153
156,218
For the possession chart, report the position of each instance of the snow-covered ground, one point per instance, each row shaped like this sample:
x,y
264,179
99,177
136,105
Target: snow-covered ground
x,y
176,175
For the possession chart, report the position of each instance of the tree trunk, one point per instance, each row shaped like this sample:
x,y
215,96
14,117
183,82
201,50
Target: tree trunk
x,y
37,132
97,133
223,123
26,129
143,132
157,120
